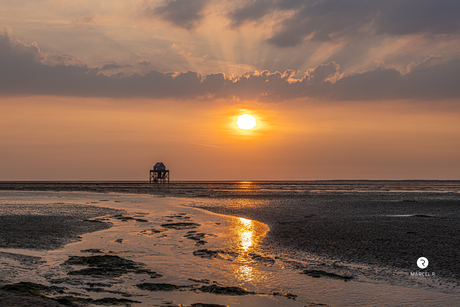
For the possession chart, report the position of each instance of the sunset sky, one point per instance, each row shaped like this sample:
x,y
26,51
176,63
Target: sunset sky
x,y
340,89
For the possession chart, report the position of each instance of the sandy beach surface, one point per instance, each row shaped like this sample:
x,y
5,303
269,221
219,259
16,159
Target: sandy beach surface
x,y
113,249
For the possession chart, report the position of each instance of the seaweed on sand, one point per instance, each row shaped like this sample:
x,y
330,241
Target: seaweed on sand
x,y
38,290
225,290
207,305
107,301
33,289
319,273
159,286
215,289
108,265
181,225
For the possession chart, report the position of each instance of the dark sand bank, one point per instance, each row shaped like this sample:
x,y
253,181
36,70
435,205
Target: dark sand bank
x,y
11,299
48,226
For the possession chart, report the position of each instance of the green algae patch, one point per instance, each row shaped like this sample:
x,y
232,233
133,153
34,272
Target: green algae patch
x,y
92,250
159,287
106,301
33,289
100,260
207,305
110,301
319,273
108,265
215,289
224,290
181,225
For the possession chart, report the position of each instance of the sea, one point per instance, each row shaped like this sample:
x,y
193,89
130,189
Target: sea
x,y
380,228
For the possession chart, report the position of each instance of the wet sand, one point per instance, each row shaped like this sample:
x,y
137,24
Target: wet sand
x,y
118,265
48,225
389,230
160,253
37,226
11,299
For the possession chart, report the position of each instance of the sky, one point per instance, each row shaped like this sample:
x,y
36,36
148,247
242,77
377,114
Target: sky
x,y
340,89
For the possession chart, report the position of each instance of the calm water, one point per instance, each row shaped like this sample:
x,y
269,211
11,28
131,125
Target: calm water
x,y
242,189
383,224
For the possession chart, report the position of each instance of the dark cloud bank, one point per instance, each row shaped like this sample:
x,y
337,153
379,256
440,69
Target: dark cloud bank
x,y
185,14
324,20
23,73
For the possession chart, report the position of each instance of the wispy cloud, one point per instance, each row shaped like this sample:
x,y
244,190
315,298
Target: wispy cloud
x,y
85,19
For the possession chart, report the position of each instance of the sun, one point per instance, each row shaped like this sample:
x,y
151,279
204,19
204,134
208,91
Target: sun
x,y
246,122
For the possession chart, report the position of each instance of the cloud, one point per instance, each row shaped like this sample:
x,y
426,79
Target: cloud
x,y
186,14
143,62
111,66
52,58
114,66
332,19
251,12
85,19
32,51
24,72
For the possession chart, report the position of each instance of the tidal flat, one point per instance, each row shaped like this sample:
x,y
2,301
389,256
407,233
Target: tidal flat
x,y
118,249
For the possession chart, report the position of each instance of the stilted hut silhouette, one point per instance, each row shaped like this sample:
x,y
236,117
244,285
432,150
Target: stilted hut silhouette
x,y
159,173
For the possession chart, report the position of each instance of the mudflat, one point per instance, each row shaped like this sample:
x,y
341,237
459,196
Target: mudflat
x,y
11,299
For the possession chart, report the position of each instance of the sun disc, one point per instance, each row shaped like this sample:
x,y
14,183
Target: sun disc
x,y
246,122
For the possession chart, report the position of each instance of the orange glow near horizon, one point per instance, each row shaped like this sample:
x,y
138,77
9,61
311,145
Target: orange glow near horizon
x,y
65,138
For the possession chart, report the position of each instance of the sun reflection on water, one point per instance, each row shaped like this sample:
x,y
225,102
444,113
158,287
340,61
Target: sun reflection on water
x,y
246,236
244,273
245,185
246,233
